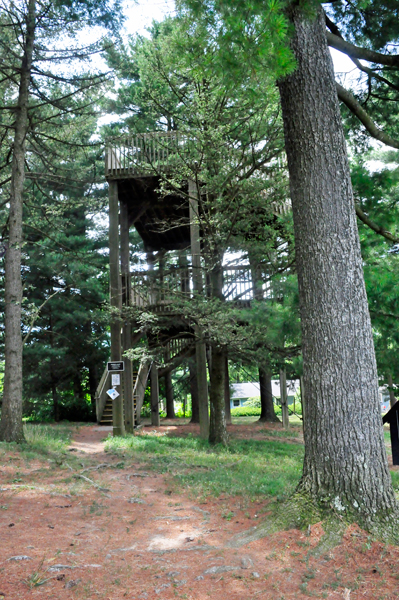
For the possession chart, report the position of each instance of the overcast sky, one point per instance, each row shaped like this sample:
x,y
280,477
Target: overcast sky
x,y
140,14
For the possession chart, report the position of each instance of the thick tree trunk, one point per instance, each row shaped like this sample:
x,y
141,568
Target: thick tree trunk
x,y
345,460
170,406
267,414
56,405
11,417
200,348
217,422
194,392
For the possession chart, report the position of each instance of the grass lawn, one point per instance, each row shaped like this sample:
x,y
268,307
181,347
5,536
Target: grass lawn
x,y
42,439
250,468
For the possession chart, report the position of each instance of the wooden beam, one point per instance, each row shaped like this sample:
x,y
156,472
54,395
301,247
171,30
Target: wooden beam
x,y
115,299
127,326
177,360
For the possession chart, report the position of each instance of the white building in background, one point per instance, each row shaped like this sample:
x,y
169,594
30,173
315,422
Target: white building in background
x,y
241,392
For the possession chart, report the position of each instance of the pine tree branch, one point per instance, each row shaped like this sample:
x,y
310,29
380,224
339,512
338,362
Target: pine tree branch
x,y
356,108
390,60
377,228
371,74
37,312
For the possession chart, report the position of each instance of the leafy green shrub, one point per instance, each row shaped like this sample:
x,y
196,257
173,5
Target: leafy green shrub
x,y
146,412
253,402
179,412
254,411
245,411
71,408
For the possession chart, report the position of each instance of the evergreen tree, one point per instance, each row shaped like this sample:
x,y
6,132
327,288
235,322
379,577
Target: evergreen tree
x,y
376,195
232,140
37,29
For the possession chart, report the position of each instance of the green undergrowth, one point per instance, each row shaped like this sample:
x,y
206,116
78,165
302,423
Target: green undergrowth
x,y
395,481
42,440
250,468
245,411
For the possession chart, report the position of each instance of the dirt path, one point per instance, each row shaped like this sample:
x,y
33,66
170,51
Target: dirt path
x,y
126,535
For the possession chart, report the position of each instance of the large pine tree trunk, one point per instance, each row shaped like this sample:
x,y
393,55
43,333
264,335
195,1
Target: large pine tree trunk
x,y
345,461
170,405
11,417
267,414
217,421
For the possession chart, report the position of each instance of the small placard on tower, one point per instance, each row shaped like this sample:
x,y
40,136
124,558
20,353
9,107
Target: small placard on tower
x,y
116,365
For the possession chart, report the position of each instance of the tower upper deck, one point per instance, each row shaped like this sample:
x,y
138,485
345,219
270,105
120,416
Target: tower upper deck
x,y
143,155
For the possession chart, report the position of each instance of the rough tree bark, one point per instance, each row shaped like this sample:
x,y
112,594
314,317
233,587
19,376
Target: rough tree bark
x,y
267,414
345,462
170,406
217,421
11,417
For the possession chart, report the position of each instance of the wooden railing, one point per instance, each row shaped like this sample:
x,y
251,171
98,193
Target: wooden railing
x,y
144,154
139,388
141,154
101,394
160,289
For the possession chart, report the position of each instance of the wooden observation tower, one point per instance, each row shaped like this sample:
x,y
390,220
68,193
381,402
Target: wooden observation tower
x,y
135,167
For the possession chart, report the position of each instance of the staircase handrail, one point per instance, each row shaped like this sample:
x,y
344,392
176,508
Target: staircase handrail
x,y
101,395
140,386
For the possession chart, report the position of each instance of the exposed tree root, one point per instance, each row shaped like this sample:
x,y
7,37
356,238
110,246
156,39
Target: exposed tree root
x,y
300,511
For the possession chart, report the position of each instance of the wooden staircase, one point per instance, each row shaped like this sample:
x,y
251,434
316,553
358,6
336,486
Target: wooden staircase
x,y
104,404
106,418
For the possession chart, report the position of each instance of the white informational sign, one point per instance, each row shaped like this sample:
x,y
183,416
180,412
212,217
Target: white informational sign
x,y
115,379
112,394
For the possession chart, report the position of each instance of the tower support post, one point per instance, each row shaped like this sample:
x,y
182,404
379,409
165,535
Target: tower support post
x,y
127,326
115,300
